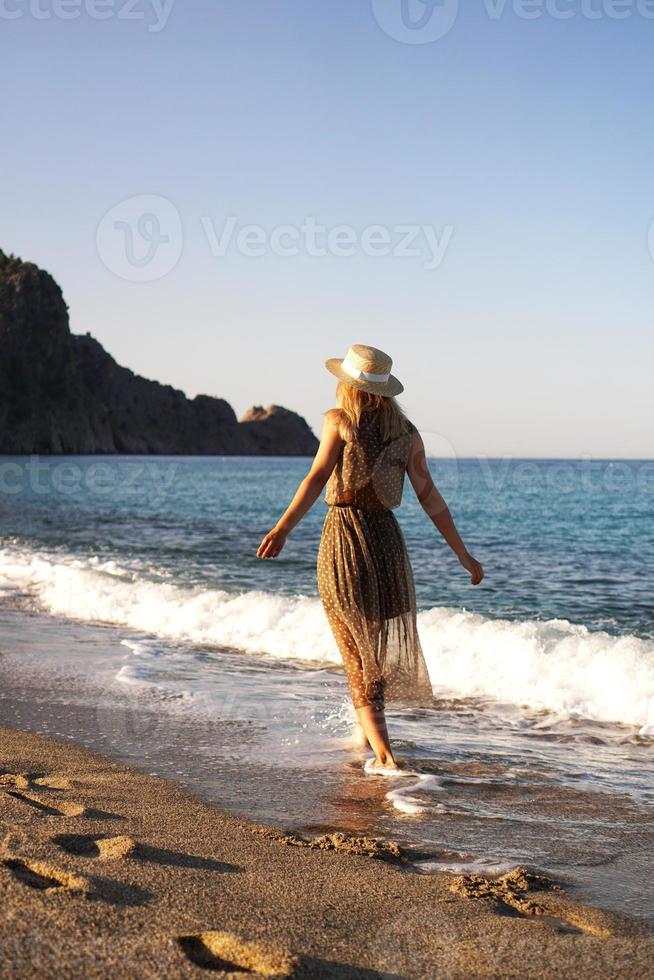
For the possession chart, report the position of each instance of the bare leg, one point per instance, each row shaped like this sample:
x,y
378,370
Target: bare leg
x,y
373,722
359,736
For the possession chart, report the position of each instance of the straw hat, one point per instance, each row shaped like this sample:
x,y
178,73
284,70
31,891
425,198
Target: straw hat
x,y
367,368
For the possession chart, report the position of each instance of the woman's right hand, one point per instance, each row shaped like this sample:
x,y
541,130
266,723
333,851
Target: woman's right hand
x,y
272,544
473,566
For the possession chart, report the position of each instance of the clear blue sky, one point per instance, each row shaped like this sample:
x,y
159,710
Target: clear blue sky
x,y
529,139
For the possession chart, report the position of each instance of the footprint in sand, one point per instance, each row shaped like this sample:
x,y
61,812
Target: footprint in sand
x,y
39,874
103,848
14,779
23,780
52,808
60,809
15,785
53,782
225,951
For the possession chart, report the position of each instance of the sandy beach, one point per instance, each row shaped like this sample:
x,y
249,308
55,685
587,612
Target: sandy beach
x,y
107,871
326,444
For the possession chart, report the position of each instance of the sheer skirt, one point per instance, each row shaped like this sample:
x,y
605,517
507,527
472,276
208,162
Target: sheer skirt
x,y
366,586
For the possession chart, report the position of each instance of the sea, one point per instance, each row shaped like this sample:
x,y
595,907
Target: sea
x,y
136,619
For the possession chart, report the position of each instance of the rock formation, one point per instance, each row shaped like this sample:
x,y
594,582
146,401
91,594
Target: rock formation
x,y
63,393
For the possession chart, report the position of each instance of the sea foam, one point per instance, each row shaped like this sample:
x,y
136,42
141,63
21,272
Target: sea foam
x,y
555,665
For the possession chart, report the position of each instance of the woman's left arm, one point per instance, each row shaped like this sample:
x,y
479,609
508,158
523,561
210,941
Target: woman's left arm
x,y
308,491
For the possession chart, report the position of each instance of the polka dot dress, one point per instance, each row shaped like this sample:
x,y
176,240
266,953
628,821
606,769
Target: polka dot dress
x,y
365,578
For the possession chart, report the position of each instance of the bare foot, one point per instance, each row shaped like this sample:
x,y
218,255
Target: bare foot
x,y
395,767
381,768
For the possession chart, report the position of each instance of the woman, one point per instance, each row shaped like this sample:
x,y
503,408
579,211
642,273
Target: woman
x,y
365,578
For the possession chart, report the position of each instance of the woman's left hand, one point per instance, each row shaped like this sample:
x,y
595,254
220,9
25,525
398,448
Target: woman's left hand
x,y
272,544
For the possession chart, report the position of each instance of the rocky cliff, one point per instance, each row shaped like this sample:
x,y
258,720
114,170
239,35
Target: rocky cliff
x,y
63,393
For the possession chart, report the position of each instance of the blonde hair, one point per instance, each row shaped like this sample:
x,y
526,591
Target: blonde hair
x,y
354,401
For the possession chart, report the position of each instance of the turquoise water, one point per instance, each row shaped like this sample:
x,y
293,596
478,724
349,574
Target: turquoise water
x,y
559,539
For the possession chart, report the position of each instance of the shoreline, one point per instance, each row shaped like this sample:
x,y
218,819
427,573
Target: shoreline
x,y
104,867
495,817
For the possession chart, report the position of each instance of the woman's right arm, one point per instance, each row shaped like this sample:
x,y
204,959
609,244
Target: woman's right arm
x,y
435,507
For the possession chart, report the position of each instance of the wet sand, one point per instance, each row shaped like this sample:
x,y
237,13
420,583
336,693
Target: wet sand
x,y
107,871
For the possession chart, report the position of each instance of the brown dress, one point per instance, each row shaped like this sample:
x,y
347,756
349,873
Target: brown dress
x,y
365,579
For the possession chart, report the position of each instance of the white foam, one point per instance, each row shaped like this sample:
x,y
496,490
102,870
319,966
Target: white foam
x,y
556,665
561,666
490,869
374,770
406,804
403,800
260,622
